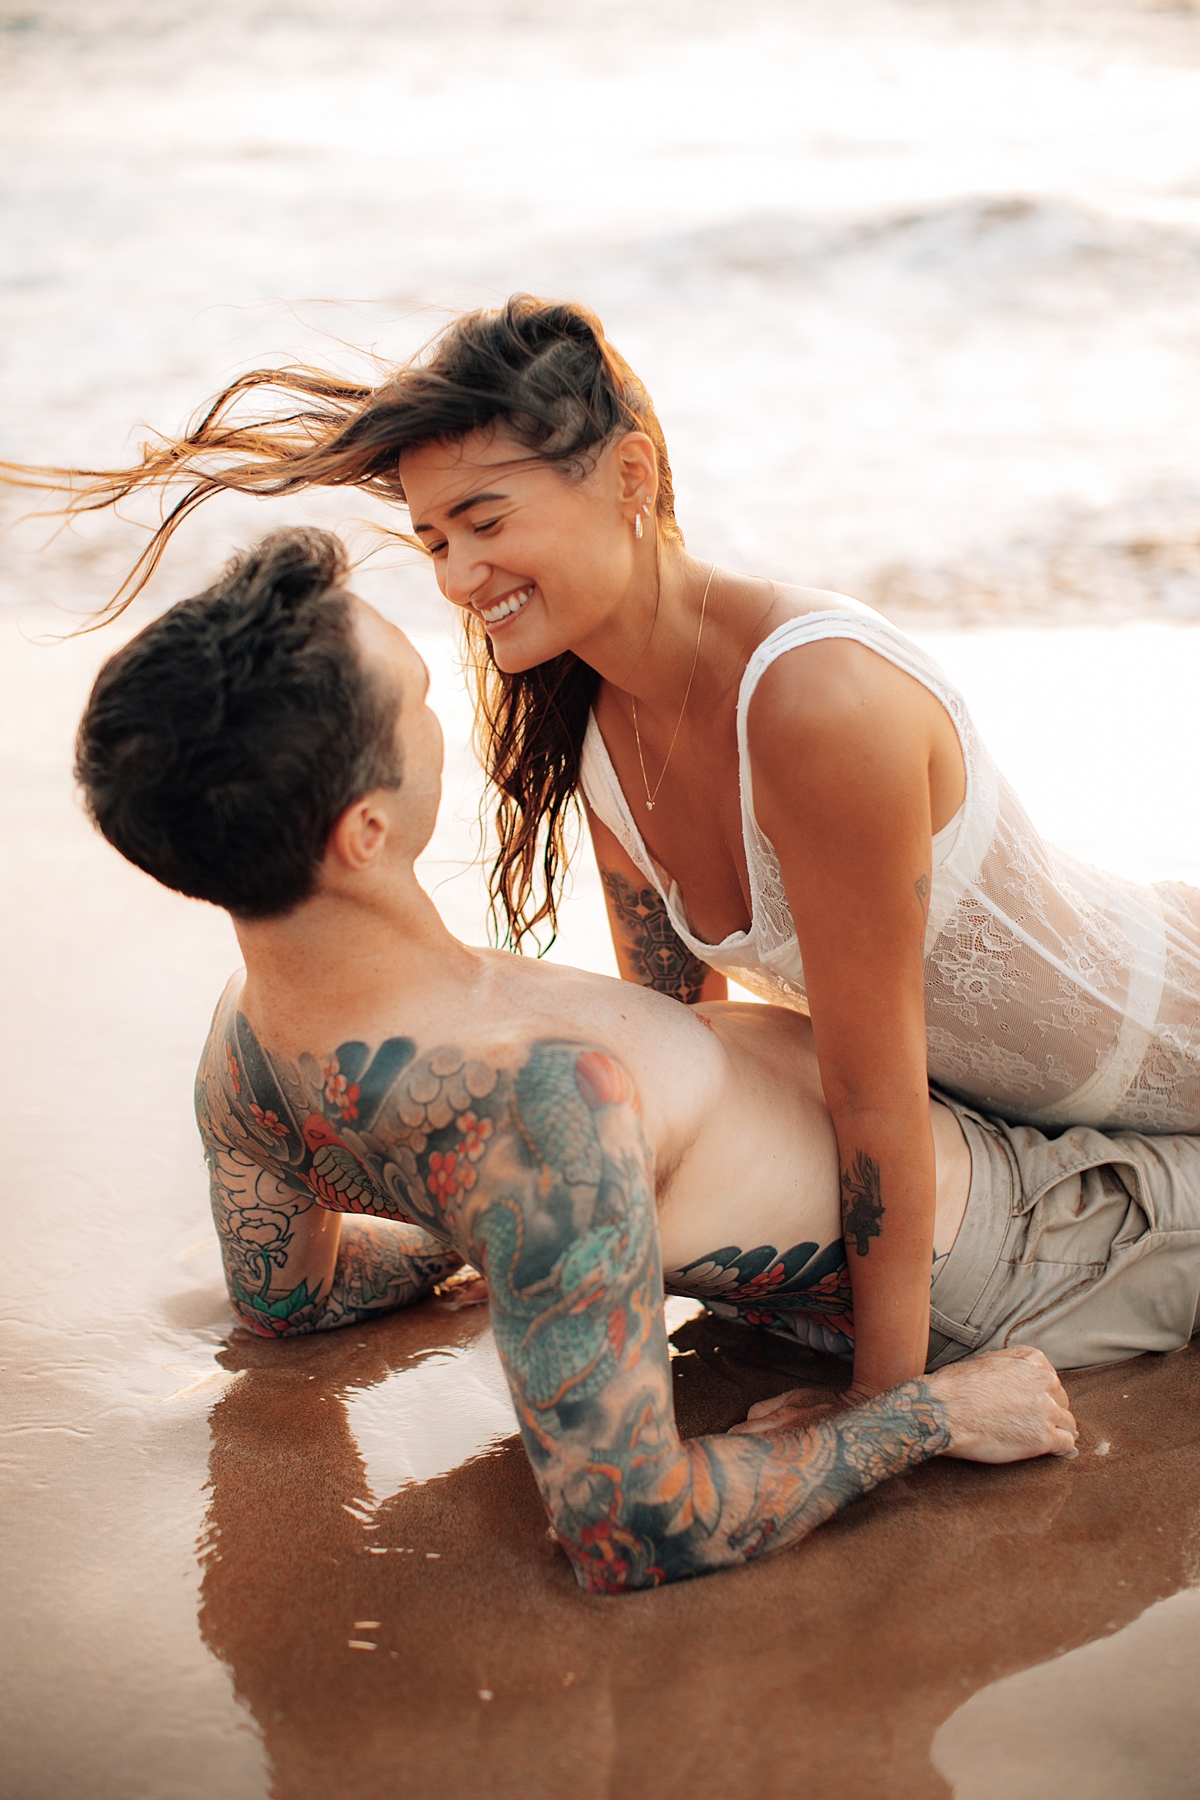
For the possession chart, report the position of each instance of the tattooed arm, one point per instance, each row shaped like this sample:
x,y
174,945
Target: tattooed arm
x,y
562,1218
649,950
292,1266
280,1178
535,1169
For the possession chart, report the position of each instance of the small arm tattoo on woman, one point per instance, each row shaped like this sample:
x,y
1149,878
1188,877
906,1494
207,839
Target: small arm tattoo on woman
x,y
862,1207
655,954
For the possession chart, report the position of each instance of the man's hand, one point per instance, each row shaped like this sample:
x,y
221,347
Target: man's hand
x,y
1004,1406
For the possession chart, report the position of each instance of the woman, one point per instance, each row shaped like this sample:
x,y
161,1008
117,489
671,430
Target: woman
x,y
781,787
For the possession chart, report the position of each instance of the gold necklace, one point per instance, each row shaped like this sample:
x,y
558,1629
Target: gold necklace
x,y
652,797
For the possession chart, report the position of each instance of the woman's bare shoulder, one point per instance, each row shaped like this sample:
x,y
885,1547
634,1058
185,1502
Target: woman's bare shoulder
x,y
830,683
839,711
795,602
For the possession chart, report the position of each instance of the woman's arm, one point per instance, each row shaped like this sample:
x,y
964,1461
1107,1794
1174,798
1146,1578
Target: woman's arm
x,y
842,746
649,950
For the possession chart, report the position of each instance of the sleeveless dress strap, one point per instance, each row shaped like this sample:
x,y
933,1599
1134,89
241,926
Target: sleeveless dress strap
x,y
976,820
604,795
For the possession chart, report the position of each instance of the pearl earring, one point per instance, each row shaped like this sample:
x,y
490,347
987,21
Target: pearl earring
x,y
637,525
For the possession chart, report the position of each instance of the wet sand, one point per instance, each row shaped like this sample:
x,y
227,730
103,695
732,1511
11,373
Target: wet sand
x,y
201,1527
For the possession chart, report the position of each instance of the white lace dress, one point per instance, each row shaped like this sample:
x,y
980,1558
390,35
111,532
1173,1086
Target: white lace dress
x,y
1055,993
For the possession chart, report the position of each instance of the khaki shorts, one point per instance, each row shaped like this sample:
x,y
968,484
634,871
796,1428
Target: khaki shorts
x,y
1085,1245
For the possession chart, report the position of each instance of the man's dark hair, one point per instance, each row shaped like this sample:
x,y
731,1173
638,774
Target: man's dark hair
x,y
220,745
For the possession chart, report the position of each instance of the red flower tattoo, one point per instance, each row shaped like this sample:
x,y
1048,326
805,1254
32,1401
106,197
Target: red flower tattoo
x,y
448,1175
338,1091
231,1059
270,1121
476,1133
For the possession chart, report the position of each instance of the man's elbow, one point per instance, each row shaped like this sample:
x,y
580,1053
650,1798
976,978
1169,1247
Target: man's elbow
x,y
611,1556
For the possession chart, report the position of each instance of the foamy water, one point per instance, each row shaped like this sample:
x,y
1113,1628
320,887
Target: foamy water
x,y
916,287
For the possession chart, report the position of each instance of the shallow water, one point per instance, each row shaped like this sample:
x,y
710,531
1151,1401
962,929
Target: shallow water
x,y
915,287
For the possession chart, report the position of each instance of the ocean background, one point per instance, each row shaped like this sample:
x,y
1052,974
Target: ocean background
x,y
915,285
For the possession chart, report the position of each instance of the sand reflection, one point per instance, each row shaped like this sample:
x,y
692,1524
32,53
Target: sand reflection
x,y
829,1668
421,1422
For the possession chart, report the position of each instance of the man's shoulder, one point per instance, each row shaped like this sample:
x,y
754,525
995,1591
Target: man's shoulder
x,y
400,1127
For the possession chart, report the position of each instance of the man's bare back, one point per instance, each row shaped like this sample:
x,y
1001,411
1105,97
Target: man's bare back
x,y
743,1151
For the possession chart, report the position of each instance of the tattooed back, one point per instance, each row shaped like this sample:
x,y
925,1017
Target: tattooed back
x,y
391,1113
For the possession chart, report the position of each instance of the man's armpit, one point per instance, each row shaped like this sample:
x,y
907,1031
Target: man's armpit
x,y
653,952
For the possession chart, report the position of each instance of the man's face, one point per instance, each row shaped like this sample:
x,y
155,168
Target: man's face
x,y
390,659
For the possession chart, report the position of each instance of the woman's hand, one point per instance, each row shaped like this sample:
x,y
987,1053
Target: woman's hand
x,y
796,1409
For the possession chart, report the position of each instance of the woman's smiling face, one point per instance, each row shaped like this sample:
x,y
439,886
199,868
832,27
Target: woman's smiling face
x,y
544,558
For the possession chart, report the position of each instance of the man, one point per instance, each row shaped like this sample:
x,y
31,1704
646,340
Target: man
x,y
267,747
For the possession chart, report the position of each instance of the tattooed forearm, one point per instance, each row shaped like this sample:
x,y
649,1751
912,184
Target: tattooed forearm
x,y
716,1502
652,949
862,1207
380,1268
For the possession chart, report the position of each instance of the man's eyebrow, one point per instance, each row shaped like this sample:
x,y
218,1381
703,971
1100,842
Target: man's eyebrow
x,y
462,507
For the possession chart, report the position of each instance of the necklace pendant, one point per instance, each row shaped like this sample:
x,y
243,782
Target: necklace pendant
x,y
649,806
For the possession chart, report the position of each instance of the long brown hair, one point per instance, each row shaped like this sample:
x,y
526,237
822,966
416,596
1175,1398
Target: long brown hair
x,y
546,371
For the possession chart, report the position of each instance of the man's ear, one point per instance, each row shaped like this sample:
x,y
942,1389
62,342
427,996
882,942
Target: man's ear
x,y
359,835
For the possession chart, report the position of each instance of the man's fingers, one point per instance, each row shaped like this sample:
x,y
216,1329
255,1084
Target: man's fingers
x,y
1038,1358
1064,1420
765,1427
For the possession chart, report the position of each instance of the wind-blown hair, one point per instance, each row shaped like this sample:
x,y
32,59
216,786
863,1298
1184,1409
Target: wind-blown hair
x,y
220,745
544,371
